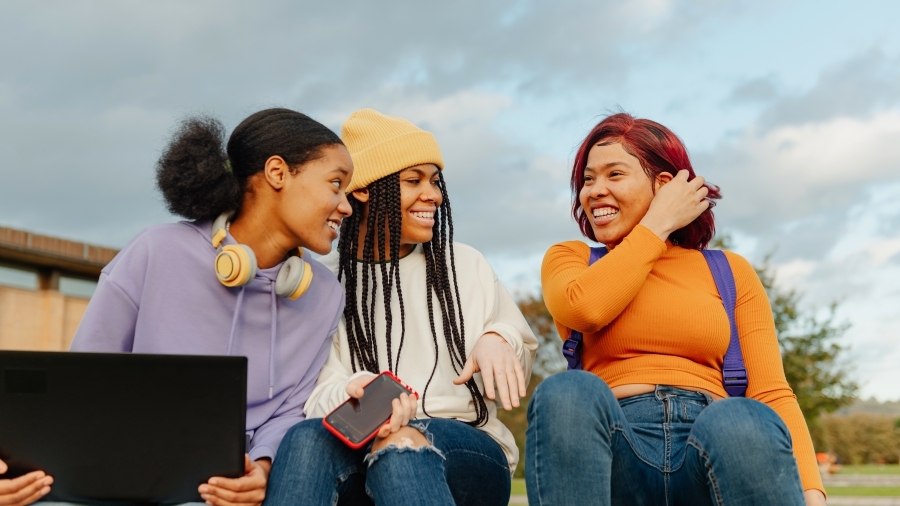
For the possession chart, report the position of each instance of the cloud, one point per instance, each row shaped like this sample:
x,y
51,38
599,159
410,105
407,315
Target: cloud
x,y
796,181
810,153
861,272
90,91
502,190
755,90
816,180
854,88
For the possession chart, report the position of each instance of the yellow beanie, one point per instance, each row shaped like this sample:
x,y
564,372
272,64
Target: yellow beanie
x,y
381,145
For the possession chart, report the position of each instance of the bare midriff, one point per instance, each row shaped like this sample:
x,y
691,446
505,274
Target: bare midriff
x,y
632,389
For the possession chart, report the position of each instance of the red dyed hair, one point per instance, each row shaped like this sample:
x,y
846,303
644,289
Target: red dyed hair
x,y
659,150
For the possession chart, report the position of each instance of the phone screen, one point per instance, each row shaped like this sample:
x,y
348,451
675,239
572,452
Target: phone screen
x,y
357,419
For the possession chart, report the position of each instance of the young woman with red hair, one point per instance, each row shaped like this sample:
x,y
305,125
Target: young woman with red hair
x,y
648,421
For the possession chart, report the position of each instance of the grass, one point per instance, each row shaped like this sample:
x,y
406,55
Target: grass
x,y
518,486
863,491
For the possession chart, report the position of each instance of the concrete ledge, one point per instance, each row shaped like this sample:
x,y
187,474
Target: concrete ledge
x,y
36,250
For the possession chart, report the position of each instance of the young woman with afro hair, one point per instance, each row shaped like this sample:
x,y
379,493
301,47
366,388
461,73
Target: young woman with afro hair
x,y
233,279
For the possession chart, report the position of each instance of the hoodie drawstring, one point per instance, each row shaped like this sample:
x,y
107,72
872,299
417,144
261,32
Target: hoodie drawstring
x,y
234,319
237,311
272,341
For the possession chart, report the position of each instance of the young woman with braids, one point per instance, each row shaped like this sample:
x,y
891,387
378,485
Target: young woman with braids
x,y
284,175
647,421
432,312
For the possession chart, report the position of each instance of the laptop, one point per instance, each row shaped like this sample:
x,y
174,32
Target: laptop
x,y
123,426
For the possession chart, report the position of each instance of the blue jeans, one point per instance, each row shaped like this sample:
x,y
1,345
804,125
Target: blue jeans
x,y
56,503
462,466
668,447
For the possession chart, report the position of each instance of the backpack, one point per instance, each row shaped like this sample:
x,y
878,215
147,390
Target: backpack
x,y
734,374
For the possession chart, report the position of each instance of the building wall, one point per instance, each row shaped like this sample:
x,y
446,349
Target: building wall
x,y
44,320
45,285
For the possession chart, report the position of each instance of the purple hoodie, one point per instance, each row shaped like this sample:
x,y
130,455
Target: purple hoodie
x,y
160,294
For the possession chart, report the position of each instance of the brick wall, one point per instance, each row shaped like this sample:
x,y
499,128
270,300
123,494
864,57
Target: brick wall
x,y
45,319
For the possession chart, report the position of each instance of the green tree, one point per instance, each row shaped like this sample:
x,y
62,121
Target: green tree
x,y
548,360
862,438
814,361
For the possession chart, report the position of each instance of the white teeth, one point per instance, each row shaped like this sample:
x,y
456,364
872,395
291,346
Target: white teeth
x,y
603,212
424,215
333,226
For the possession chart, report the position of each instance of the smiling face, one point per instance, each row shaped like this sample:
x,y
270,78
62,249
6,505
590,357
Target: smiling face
x,y
420,196
313,201
616,194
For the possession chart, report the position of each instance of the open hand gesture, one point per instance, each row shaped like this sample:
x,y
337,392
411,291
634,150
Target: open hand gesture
x,y
499,367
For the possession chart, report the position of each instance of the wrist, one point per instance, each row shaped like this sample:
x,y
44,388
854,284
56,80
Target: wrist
x,y
493,334
265,464
814,497
660,229
495,337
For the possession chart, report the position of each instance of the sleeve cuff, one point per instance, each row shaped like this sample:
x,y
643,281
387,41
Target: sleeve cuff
x,y
507,334
643,235
262,452
513,338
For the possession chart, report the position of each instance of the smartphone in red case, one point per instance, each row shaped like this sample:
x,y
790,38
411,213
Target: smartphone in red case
x,y
356,421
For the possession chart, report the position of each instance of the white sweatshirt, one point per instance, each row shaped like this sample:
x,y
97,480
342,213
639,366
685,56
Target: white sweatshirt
x,y
487,307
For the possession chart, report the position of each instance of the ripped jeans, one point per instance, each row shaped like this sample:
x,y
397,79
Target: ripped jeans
x,y
463,466
671,447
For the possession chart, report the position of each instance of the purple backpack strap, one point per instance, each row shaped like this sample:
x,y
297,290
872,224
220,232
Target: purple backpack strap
x,y
572,346
734,374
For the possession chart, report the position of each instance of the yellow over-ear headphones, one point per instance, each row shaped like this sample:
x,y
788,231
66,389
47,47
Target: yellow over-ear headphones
x,y
236,264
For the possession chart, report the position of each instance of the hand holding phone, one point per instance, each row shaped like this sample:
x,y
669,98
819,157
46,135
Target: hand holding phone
x,y
377,406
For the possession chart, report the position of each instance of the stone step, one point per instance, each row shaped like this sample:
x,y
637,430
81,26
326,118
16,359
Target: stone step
x,y
861,480
864,501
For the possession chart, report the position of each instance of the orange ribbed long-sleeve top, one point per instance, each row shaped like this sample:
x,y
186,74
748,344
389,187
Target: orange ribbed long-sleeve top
x,y
650,313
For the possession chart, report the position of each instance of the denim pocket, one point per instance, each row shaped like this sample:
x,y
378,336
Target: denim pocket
x,y
645,408
691,409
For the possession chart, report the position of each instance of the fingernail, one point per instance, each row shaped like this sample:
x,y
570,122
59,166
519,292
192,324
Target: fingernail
x,y
204,489
213,482
45,490
204,496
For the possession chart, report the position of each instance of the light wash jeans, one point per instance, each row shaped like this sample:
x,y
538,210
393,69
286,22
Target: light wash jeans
x,y
669,447
463,466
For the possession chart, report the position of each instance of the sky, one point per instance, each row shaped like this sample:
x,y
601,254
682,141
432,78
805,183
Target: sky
x,y
791,107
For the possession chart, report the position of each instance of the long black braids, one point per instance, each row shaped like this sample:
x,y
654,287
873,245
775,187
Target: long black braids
x,y
385,213
438,283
